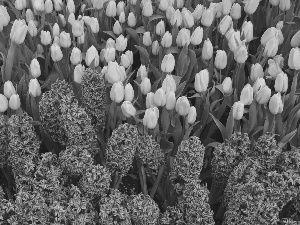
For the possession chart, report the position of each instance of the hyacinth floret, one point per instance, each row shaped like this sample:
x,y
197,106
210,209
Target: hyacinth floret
x,y
4,141
172,216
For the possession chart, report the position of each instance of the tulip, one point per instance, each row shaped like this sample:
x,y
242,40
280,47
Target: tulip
x,y
163,5
160,97
225,24
142,72
120,7
117,29
97,4
187,18
251,6
274,2
45,37
110,54
191,117
275,104
75,56
235,41
236,11
71,6
125,61
167,40
295,41
207,50
229,34
93,23
197,36
258,85
294,59
247,31
247,95
207,18
281,82
256,72
62,19
241,54
147,39
128,109
160,28
115,73
5,18
238,110
169,14
29,15
56,53
56,41
279,25
263,95
18,31
274,68
197,14
147,9
71,18
110,43
122,17
39,49
121,43
117,92
183,38
131,20
284,5
271,47
169,84
57,5
129,55
32,30
78,73
77,28
55,30
14,102
34,88
38,5
151,117
35,68
20,4
168,63
176,19
226,6
150,100
129,92
111,9
145,86
180,3
155,47
221,59
65,39
182,106
227,85
3,103
133,2
9,89
271,33
48,6
170,100
279,60
92,54
201,81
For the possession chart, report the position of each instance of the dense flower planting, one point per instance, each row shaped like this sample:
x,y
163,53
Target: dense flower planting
x,y
137,112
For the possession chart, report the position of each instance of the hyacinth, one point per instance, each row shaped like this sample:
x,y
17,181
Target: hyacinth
x,y
149,152
95,181
172,216
142,209
4,141
49,108
6,208
121,148
228,155
289,160
75,160
189,160
113,209
94,98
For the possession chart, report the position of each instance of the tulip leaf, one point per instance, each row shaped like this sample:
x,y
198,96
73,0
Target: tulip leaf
x,y
287,138
291,98
221,127
155,17
140,30
193,62
172,50
179,89
143,52
291,116
182,60
252,116
110,33
155,71
133,34
165,119
229,124
188,132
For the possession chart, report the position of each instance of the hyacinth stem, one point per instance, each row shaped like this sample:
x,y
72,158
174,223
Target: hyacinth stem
x,y
9,62
159,176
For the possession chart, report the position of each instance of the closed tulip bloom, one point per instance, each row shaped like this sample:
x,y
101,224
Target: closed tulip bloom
x,y
145,86
110,54
176,19
284,5
71,18
169,84
110,43
14,102
3,103
129,92
225,24
65,39
281,82
160,97
166,40
247,95
5,18
147,39
32,30
207,50
170,12
271,33
251,6
275,104
117,29
236,11
147,9
151,117
35,68
235,41
263,95
122,17
48,6
121,43
227,85
150,100
55,30
187,18
183,37
197,14
111,9
56,41
92,54
201,81
258,84
75,56
221,59
56,53
97,4
180,3
29,15
182,106
128,109
18,31
274,2
38,5
34,88
133,2
45,37
93,23
168,63
142,72
241,54
170,100
274,68
247,31
115,73
207,18
71,6
9,89
78,29
295,41
191,117
125,61
163,5
131,21
120,7
117,92
129,54
20,4
256,72
271,48
78,73
294,59
226,6
238,110
57,5
197,36
160,28
155,47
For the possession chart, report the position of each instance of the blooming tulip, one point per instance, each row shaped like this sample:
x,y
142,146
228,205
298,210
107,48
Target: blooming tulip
x,y
92,54
168,63
155,47
182,106
45,37
226,6
34,88
271,33
48,6
176,19
221,59
251,6
271,47
207,50
247,31
145,86
187,18
35,68
14,102
151,117
150,100
110,43
121,43
111,9
274,68
281,82
166,40
163,5
259,84
197,14
236,11
227,85
110,54
169,14
183,38
117,29
147,9
115,73
235,41
55,30
160,97
32,30
225,24
125,61
78,73
77,28
117,92
169,84
142,72
247,95
75,56
241,54
18,31
65,39
201,81
120,7
128,109
284,5
129,92
20,4
263,95
238,110
170,100
56,53
294,59
197,36
131,21
129,55
256,72
3,103
9,89
275,104
147,39
71,6
207,18
93,23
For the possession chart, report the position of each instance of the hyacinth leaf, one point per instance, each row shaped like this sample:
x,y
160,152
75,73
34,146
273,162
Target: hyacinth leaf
x,y
165,119
188,132
159,176
291,99
252,116
155,71
280,128
183,62
110,33
133,34
287,138
295,122
34,108
143,54
166,145
291,116
221,127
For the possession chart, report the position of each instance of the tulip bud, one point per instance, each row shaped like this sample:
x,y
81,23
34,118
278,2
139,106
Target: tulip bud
x,y
238,110
117,92
65,39
3,103
145,86
32,30
39,49
14,102
247,95
225,24
92,54
182,106
155,47
201,81
147,9
170,100
263,95
9,89
78,73
38,5
151,117
128,109
294,59
227,85
207,18
197,36
274,68
122,17
207,50
256,72
129,92
236,11
115,73
29,15
281,82
221,59
110,43
35,68
20,4
279,60
48,6
284,5
75,57
251,6
168,63
121,43
110,54
77,28
56,53
18,31
169,14
295,41
159,97
275,104
62,19
120,7
111,9
147,39
97,4
57,5
187,18
131,21
259,84
34,88
56,40
247,31
150,100
241,54
129,55
274,2
169,84
176,19
163,5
